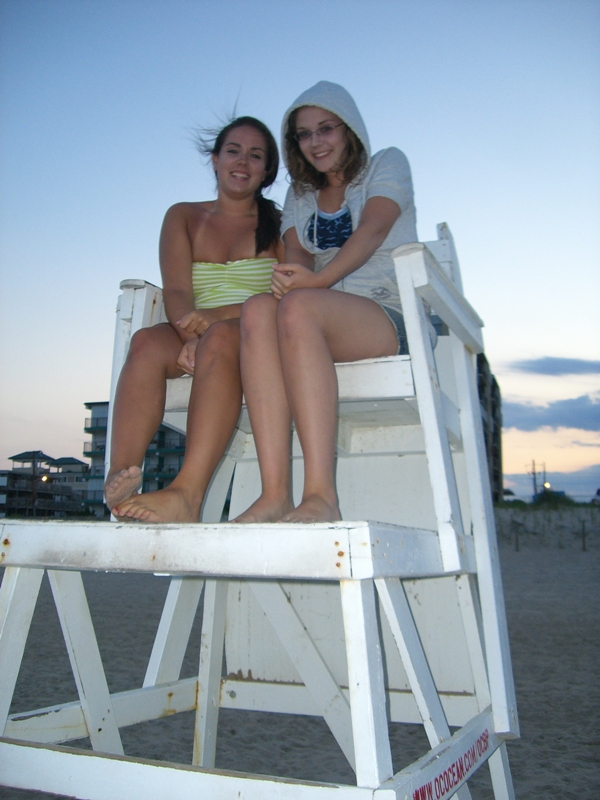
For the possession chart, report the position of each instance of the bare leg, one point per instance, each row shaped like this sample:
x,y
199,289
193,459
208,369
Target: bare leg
x,y
316,328
267,407
139,407
214,410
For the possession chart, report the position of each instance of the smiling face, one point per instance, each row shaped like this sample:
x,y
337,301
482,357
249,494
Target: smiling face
x,y
325,152
240,165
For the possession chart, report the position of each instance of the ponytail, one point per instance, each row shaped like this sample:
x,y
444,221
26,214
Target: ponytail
x,y
269,222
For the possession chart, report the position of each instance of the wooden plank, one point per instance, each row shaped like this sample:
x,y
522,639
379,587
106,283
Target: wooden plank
x,y
446,767
80,638
65,722
365,682
209,673
173,633
466,588
18,596
290,698
375,378
357,437
391,426
389,377
397,610
328,551
383,551
277,550
95,776
491,595
500,774
439,458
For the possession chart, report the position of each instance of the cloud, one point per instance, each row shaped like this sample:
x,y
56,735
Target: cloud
x,y
579,412
557,366
577,443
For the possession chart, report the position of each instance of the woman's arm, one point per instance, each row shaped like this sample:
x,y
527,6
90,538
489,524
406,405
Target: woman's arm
x,y
175,255
376,221
200,319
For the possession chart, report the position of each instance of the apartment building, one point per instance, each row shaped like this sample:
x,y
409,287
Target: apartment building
x,y
41,486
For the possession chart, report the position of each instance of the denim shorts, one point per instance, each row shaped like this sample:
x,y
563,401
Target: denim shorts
x,y
397,319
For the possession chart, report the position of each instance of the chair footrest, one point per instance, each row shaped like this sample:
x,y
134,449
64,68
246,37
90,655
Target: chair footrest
x,y
319,551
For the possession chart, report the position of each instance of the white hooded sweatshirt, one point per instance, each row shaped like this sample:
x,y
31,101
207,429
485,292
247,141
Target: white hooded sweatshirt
x,y
387,174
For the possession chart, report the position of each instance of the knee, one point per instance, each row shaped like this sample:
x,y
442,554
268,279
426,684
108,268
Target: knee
x,y
294,312
258,313
220,341
144,342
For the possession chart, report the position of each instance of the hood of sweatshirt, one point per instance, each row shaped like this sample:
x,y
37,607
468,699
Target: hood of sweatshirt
x,y
331,97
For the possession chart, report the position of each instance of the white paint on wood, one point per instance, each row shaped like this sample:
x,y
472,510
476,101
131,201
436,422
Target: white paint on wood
x,y
79,636
289,698
365,683
443,481
173,632
18,596
500,774
399,616
318,551
93,776
212,641
491,594
446,767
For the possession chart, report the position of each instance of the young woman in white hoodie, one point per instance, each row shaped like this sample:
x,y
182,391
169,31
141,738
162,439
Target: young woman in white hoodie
x,y
334,299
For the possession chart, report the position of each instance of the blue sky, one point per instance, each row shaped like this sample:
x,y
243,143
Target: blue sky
x,y
496,104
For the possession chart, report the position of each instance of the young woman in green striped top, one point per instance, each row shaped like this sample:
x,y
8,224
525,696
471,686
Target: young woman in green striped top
x,y
213,256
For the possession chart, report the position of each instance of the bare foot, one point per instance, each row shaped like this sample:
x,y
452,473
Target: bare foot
x,y
121,485
264,510
167,505
314,508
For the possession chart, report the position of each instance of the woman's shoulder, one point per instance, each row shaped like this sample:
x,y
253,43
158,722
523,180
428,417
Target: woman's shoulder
x,y
185,217
388,157
186,210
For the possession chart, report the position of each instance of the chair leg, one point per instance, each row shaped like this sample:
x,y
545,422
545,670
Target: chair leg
x,y
80,638
397,610
209,673
366,685
173,631
501,777
18,596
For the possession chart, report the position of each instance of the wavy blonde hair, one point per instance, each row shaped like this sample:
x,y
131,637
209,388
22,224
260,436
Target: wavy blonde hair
x,y
305,178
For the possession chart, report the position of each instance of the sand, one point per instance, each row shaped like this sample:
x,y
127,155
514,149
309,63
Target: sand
x,y
552,590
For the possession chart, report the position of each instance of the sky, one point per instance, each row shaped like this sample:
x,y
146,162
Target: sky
x,y
496,104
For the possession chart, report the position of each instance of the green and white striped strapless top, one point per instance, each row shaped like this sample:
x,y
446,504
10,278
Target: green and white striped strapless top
x,y
223,284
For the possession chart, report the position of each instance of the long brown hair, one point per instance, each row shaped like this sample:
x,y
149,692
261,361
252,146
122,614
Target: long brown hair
x,y
209,142
305,178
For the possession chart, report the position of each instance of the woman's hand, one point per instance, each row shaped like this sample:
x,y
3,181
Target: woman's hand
x,y
199,321
293,276
187,358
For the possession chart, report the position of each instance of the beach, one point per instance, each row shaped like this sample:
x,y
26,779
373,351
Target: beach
x,y
552,594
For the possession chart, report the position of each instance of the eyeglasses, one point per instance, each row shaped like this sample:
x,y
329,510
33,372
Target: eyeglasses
x,y
321,133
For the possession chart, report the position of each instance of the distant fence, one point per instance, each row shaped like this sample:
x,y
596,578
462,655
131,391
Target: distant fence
x,y
558,527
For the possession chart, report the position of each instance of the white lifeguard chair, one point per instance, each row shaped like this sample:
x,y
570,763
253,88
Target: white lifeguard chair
x,y
361,622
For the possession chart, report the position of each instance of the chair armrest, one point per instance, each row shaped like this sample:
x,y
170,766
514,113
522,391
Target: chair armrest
x,y
433,285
